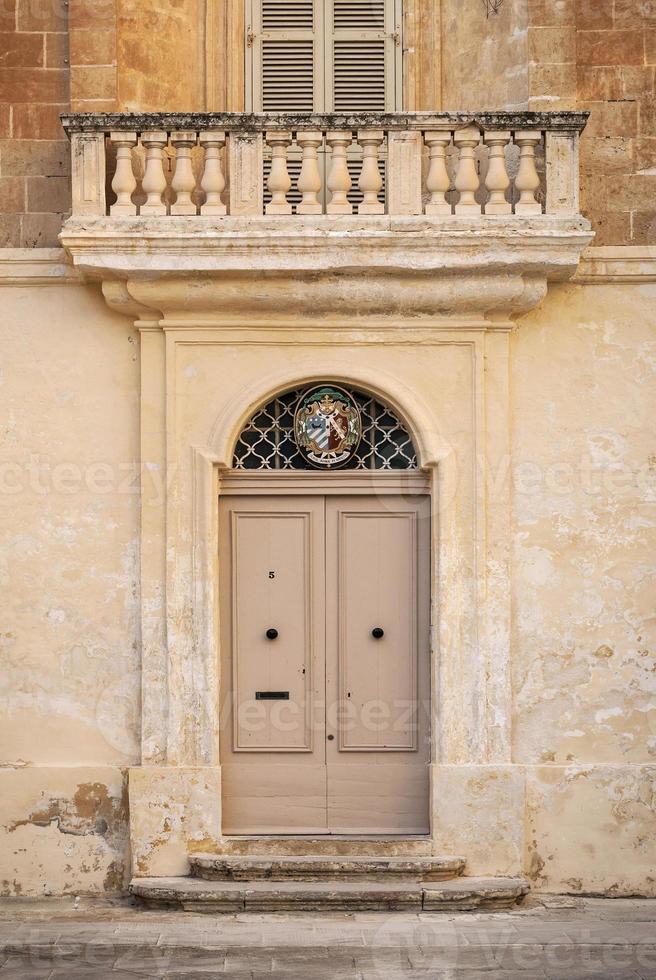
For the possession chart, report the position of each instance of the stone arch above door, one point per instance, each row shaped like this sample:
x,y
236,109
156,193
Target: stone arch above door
x,y
408,406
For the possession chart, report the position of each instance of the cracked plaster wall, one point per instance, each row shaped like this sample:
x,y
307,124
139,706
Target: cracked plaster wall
x,y
581,813
69,640
583,574
584,542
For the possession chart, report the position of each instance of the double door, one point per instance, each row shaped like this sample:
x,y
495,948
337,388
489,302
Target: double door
x,y
325,706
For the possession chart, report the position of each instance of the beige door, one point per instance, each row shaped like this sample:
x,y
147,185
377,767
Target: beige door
x,y
324,720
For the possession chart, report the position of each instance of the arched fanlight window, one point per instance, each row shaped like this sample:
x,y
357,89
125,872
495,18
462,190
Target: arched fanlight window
x,y
324,427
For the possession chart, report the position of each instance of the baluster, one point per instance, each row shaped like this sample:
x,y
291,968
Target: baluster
x,y
213,181
437,181
497,180
279,180
184,181
154,181
527,180
467,179
339,179
370,181
124,183
309,180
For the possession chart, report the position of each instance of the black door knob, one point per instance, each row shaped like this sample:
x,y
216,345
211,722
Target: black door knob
x,y
271,633
377,632
331,738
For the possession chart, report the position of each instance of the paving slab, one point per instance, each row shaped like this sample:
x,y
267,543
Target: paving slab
x,y
17,966
448,974
562,939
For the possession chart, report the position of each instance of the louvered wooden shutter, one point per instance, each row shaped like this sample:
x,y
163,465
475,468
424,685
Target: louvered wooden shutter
x,y
361,56
325,55
287,55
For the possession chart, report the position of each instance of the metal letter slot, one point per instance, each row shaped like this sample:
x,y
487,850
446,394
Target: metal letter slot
x,y
272,695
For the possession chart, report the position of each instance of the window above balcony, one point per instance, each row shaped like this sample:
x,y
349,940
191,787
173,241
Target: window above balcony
x,y
324,55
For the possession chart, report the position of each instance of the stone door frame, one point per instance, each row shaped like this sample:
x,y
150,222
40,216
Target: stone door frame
x,y
175,794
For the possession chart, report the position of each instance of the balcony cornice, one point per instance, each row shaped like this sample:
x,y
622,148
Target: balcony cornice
x,y
263,267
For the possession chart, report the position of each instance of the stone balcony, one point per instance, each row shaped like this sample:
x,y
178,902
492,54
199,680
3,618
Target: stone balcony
x,y
421,214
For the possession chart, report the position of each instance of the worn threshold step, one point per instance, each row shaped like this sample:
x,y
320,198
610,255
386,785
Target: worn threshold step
x,y
393,845
459,894
317,867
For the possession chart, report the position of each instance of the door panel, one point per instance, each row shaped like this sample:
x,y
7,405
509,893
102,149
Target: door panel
x,y
377,584
272,576
272,590
377,798
273,797
377,577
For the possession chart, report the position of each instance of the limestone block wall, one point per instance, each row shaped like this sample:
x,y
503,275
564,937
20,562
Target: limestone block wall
x,y
598,55
69,643
34,153
166,55
496,45
93,46
161,54
615,80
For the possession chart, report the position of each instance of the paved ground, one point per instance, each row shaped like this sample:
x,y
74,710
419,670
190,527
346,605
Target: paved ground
x,y
555,938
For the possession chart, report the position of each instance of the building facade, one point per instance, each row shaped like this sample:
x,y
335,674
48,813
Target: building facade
x,y
328,463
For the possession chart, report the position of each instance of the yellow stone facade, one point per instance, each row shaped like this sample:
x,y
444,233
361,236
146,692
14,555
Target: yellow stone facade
x,y
523,359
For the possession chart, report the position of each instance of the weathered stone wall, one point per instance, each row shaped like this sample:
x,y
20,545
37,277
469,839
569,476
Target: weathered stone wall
x,y
598,55
161,54
616,71
69,694
584,566
132,55
573,808
601,55
94,72
34,153
485,59
584,386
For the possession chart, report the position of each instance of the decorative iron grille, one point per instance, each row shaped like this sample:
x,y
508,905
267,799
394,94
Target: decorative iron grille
x,y
267,440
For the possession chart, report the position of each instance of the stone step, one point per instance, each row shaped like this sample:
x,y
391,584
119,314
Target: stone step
x,y
469,894
355,895
393,845
319,867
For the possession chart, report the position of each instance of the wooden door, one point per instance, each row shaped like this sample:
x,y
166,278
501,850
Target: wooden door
x,y
272,748
377,664
324,727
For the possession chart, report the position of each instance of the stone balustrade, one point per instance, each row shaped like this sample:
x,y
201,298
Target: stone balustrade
x,y
440,165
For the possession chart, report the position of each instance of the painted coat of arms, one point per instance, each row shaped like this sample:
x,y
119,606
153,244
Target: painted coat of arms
x,y
328,426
